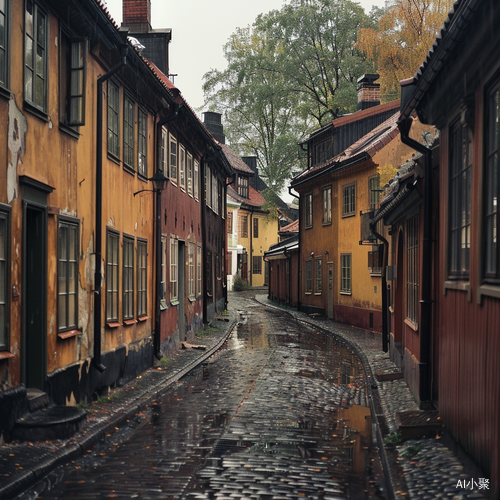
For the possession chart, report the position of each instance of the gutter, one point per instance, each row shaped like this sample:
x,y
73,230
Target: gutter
x,y
157,332
426,300
96,360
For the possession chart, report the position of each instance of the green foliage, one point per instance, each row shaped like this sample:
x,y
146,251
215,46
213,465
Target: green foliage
x,y
395,438
166,363
239,284
412,450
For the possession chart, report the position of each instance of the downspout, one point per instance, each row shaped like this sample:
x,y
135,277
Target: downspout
x,y
96,360
299,274
203,237
251,249
426,301
157,332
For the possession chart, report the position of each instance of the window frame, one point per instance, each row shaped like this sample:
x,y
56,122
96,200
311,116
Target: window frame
x,y
5,49
255,227
412,268
318,276
128,138
172,155
73,225
174,270
327,205
308,277
163,283
128,271
308,210
230,222
5,300
30,66
349,200
346,274
374,191
142,143
142,277
164,153
191,271
242,186
182,167
198,270
189,169
244,226
196,179
257,264
113,119
112,275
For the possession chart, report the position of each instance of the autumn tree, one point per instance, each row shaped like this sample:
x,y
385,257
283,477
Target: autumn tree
x,y
406,31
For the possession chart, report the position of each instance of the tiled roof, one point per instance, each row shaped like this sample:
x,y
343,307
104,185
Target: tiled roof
x,y
365,147
291,228
255,199
235,160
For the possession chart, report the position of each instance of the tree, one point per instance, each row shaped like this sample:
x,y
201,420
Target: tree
x,y
406,31
292,70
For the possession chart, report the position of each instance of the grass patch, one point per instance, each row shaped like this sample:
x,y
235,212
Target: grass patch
x,y
395,438
166,363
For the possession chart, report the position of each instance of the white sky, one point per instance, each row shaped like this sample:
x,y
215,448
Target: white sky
x,y
200,29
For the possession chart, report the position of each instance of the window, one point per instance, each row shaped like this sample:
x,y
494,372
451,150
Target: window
x,y
244,226
321,152
190,174
242,186
142,144
230,222
257,264
128,132
191,278
174,258
374,189
319,276
113,119
4,42
349,202
112,245
163,292
72,61
375,260
198,270
182,167
67,276
345,273
173,158
128,277
215,194
460,178
142,278
308,276
412,269
208,270
308,209
196,179
327,205
4,281
164,152
35,56
255,227
230,263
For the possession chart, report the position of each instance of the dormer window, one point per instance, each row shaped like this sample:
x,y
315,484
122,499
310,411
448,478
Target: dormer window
x,y
243,186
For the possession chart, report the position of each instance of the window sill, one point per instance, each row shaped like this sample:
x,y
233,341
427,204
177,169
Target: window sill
x,y
459,285
317,293
192,299
174,302
377,274
163,305
67,129
69,334
143,318
412,325
308,293
489,291
6,355
113,324
345,216
36,111
129,169
5,92
345,293
113,158
327,223
130,322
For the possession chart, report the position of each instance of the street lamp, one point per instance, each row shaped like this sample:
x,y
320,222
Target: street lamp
x,y
159,181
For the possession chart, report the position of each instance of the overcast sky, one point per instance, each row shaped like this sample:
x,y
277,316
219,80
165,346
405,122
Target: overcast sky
x,y
200,29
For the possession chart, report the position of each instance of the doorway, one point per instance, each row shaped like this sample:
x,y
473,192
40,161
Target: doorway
x,y
330,290
34,360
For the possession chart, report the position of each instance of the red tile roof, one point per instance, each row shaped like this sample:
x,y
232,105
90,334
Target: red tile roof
x,y
235,160
255,199
291,228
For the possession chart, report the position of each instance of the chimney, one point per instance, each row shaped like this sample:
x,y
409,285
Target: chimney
x,y
137,15
212,122
368,91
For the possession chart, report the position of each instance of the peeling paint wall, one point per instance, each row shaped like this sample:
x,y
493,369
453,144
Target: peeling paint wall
x,y
18,126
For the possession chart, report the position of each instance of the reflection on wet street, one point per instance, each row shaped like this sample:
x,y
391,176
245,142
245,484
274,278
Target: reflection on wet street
x,y
280,413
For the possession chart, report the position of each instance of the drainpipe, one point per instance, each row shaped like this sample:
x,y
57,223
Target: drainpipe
x,y
299,302
251,248
157,332
203,237
96,360
426,301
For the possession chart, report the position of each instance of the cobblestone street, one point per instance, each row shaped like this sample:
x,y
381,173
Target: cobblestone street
x,y
265,418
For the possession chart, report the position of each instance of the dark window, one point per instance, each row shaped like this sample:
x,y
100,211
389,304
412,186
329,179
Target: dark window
x,y
35,56
128,132
112,271
255,227
142,277
67,276
327,205
4,42
374,188
308,209
257,265
492,186
173,159
113,119
244,226
349,203
460,178
230,222
345,273
243,186
319,276
308,276
4,281
142,144
128,277
412,269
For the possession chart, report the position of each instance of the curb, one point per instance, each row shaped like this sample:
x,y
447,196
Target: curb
x,y
22,482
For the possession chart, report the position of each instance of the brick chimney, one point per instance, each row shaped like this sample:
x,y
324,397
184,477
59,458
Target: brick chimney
x,y
213,123
137,15
368,91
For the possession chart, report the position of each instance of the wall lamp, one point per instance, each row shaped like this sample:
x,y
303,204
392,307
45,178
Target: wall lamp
x,y
158,180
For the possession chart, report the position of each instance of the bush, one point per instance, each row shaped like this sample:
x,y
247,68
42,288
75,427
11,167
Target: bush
x,y
239,284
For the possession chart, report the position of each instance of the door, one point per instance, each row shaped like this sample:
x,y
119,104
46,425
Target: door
x,y
34,296
181,319
330,290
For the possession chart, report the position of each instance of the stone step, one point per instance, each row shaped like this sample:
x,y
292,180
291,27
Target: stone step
x,y
55,422
37,399
413,424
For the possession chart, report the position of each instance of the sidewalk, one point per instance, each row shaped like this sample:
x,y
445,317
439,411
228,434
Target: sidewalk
x,y
427,468
414,469
22,465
